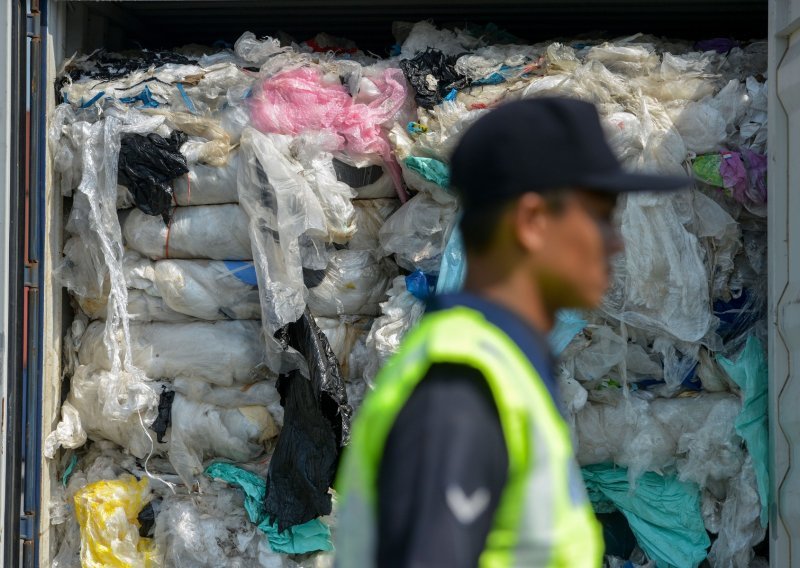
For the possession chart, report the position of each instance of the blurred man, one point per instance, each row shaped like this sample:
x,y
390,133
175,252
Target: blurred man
x,y
461,457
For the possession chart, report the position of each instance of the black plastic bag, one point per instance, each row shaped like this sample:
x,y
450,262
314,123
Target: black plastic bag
x,y
356,177
147,166
432,64
147,518
164,418
316,426
109,65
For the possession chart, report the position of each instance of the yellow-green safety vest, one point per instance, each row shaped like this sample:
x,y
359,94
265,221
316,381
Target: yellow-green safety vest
x,y
543,518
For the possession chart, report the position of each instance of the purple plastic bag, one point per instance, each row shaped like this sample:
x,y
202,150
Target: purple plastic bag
x,y
718,44
756,176
734,175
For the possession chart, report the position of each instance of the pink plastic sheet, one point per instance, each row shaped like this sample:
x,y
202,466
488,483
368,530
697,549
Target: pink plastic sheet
x,y
301,100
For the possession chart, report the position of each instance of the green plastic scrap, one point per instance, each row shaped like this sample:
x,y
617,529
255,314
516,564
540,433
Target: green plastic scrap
x,y
431,169
663,513
299,539
706,168
308,537
750,373
73,461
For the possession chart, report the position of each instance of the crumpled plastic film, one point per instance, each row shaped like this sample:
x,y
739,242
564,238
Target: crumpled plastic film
x,y
281,207
86,413
201,431
663,287
399,313
69,432
94,218
366,176
210,530
453,269
416,233
259,393
740,520
693,437
370,215
344,334
147,166
106,512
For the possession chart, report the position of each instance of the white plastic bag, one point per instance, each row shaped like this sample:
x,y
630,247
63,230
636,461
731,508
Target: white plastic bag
x,y
416,233
208,185
344,334
222,353
371,214
217,232
355,283
179,290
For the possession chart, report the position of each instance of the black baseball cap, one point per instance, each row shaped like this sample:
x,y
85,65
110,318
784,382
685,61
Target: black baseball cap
x,y
539,145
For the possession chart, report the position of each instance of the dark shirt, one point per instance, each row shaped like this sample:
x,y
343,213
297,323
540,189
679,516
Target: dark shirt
x,y
445,463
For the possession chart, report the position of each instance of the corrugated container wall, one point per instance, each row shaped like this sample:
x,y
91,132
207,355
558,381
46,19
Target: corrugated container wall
x,y
784,276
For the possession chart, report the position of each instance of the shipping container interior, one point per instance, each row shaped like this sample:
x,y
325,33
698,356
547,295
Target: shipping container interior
x,y
80,27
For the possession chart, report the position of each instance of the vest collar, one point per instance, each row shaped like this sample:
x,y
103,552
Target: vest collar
x,y
528,339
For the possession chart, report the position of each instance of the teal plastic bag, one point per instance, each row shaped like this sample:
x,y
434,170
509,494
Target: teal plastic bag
x,y
569,323
453,269
751,374
663,513
299,539
431,169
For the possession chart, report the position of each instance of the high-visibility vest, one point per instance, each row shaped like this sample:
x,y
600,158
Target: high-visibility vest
x,y
543,517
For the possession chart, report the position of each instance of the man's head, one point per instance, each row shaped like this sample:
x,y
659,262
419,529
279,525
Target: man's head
x,y
539,184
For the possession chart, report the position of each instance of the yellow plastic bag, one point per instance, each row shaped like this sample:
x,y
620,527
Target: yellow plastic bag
x,y
107,512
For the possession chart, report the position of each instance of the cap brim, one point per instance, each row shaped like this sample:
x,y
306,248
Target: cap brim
x,y
624,182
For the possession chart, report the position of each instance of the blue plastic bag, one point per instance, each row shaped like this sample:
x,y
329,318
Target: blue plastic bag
x,y
453,269
569,323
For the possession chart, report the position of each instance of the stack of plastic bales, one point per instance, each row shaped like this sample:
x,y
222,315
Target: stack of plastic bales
x,y
223,265
252,232
666,384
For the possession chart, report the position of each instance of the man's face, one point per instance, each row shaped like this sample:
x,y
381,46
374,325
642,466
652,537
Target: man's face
x,y
574,265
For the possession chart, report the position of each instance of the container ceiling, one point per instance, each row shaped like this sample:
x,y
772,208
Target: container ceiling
x,y
153,23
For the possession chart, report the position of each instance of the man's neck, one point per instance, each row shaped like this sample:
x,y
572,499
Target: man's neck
x,y
515,293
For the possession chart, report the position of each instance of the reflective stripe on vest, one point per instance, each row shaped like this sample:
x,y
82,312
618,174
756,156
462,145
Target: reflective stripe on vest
x,y
543,517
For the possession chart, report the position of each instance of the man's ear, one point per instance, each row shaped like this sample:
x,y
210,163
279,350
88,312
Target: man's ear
x,y
530,221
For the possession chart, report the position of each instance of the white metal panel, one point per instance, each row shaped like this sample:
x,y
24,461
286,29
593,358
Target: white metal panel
x,y
784,280
58,39
5,196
